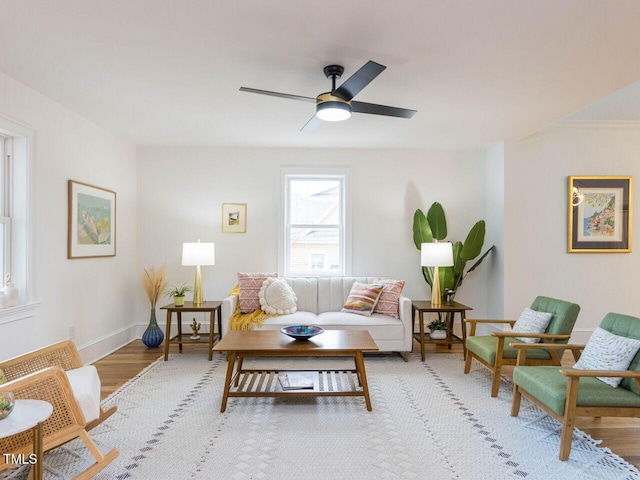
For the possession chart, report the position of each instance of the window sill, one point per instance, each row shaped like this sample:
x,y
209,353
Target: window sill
x,y
13,314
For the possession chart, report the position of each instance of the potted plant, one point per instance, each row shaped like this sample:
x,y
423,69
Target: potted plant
x,y
438,329
178,293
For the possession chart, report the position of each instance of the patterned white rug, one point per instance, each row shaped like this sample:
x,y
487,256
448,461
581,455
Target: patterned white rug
x,y
428,421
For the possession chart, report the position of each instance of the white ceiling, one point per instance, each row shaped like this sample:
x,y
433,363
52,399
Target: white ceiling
x,y
162,72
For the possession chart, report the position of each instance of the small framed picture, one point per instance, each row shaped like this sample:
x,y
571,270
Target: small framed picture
x,y
91,221
600,210
234,218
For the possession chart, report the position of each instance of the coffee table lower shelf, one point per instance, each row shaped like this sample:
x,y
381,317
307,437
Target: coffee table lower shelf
x,y
326,383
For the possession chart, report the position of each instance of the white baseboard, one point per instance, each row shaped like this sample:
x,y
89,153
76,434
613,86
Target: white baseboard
x,y
107,344
100,348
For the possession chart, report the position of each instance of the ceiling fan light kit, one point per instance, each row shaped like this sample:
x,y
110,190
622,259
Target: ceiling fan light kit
x,y
331,108
337,105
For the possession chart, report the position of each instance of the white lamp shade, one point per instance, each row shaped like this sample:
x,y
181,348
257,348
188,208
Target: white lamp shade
x,y
436,254
194,254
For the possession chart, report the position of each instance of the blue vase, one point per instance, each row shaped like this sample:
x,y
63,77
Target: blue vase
x,y
153,335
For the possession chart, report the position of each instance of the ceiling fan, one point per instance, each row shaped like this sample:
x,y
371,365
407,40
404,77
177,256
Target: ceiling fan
x,y
338,104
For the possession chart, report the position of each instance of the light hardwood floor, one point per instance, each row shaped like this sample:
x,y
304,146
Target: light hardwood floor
x,y
621,435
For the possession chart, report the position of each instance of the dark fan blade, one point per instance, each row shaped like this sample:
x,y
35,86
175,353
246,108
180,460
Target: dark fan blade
x,y
311,124
277,94
356,82
374,109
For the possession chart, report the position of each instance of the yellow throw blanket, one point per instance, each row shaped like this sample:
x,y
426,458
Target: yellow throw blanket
x,y
245,321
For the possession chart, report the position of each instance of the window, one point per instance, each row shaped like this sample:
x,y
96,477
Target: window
x,y
5,206
16,241
315,225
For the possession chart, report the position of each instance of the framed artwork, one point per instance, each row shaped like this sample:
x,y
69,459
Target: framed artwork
x,y
92,221
600,210
234,218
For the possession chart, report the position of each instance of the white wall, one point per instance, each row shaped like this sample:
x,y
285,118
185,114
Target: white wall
x,y
536,258
181,191
494,263
97,296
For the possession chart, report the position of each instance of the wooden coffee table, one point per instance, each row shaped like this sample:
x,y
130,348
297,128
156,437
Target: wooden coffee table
x,y
273,343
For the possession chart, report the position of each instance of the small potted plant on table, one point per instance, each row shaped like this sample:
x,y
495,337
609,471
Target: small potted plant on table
x,y
178,293
438,329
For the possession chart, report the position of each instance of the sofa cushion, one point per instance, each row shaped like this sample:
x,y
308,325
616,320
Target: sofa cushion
x,y
606,351
249,286
550,387
298,318
390,296
362,299
531,321
485,348
306,290
85,384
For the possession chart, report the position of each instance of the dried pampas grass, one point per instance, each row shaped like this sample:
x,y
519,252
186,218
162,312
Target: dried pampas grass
x,y
154,283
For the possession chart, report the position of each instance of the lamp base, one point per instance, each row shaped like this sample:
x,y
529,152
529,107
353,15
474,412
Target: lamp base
x,y
436,296
198,297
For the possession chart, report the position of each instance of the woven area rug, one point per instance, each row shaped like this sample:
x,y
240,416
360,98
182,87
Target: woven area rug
x,y
429,420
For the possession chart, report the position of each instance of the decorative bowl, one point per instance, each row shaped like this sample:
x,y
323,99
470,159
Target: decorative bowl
x,y
7,401
302,332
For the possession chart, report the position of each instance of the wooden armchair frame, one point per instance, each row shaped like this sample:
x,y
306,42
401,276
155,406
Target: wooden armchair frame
x,y
63,354
496,368
571,409
66,422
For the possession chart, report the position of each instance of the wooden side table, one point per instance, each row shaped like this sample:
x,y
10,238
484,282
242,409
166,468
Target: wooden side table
x,y
422,306
213,308
28,414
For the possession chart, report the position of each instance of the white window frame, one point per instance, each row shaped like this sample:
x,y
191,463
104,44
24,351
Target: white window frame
x,y
6,153
20,205
344,227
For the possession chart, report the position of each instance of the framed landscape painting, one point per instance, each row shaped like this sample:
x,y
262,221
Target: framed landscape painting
x,y
234,218
600,210
92,221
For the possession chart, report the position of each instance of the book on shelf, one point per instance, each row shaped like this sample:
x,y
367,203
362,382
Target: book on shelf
x,y
296,380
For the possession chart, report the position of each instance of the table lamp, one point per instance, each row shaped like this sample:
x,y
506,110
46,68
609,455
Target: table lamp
x,y
436,254
198,254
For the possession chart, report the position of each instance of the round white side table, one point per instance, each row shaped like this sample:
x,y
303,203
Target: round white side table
x,y
28,414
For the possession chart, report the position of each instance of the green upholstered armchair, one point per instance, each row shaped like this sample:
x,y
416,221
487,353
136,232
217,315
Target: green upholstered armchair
x,y
567,393
493,351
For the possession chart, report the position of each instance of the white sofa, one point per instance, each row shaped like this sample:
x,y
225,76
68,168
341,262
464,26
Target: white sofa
x,y
320,301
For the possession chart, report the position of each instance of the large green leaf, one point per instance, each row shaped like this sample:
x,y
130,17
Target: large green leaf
x,y
426,274
473,243
446,279
421,229
437,221
458,263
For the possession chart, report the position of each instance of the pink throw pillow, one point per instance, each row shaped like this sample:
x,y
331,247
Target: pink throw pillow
x,y
249,287
389,298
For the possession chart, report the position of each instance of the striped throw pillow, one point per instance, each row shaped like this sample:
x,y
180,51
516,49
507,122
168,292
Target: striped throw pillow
x,y
362,299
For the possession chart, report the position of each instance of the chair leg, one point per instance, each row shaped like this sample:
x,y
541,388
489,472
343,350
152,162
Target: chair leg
x,y
467,362
568,420
495,384
515,401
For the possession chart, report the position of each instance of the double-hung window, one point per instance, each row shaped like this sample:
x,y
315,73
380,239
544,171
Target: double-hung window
x,y
315,225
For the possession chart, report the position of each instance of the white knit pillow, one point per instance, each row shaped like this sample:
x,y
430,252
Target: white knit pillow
x,y
277,297
531,321
607,351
